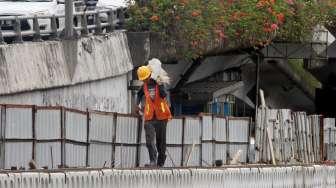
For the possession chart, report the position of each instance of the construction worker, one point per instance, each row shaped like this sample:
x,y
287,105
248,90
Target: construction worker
x,y
156,114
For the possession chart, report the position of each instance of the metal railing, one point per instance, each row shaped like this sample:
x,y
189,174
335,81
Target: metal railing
x,y
51,27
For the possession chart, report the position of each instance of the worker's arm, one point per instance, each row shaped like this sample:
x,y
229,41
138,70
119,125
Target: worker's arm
x,y
138,100
140,96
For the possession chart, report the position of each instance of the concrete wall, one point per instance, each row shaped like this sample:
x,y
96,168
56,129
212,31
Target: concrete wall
x,y
88,72
104,95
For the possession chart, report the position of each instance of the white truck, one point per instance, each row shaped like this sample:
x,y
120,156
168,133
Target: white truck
x,y
45,8
30,8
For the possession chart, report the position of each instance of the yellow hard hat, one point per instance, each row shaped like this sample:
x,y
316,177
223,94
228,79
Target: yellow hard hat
x,y
144,72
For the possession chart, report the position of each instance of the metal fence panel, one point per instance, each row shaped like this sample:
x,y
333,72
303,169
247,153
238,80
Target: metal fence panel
x,y
127,129
48,124
173,134
221,152
100,155
329,137
19,123
2,155
76,126
125,156
75,155
143,135
144,156
219,129
174,156
238,129
328,123
174,131
207,154
101,127
48,154
192,155
331,148
207,127
192,130
18,154
240,150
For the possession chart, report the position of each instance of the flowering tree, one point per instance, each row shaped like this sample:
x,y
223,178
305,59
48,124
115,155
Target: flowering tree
x,y
193,25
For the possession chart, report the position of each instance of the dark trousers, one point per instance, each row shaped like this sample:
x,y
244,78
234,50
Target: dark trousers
x,y
156,131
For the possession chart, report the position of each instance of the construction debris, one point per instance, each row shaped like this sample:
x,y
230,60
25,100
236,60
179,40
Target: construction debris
x,y
293,136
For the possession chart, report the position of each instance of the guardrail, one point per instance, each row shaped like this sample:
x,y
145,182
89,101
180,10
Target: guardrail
x,y
17,28
247,176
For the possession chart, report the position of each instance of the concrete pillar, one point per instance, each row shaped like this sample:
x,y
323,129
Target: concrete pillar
x,y
68,19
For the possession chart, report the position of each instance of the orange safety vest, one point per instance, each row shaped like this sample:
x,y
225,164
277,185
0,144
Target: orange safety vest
x,y
159,106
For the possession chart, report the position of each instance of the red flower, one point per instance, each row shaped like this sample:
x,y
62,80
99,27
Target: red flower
x,y
221,35
155,18
291,2
195,13
194,44
281,18
183,2
274,27
267,29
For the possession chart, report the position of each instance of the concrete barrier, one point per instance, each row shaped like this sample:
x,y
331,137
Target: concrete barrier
x,y
82,73
253,177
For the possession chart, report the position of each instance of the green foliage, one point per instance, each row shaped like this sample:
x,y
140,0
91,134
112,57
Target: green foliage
x,y
193,25
297,67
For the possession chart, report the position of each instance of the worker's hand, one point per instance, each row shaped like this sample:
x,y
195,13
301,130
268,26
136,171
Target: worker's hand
x,y
138,110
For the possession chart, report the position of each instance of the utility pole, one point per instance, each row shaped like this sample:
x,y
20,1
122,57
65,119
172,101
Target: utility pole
x,y
69,19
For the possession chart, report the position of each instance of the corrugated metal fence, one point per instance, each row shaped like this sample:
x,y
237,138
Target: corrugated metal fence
x,y
60,137
254,177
